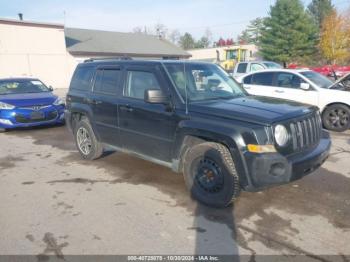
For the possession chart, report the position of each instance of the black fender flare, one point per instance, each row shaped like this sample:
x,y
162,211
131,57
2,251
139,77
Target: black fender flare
x,y
190,133
86,111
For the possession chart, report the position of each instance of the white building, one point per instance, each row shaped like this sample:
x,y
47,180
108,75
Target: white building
x,y
51,52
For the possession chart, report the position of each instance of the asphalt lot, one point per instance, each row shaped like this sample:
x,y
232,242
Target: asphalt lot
x,y
54,203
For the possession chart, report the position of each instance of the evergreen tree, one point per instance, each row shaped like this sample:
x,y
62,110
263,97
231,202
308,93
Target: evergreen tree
x,y
187,41
244,38
319,10
289,34
202,43
253,31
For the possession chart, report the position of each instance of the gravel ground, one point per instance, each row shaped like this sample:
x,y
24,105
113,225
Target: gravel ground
x,y
54,203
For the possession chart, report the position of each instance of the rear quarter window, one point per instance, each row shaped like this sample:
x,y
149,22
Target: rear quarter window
x,y
106,81
82,78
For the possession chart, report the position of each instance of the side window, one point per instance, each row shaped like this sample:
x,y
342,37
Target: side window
x,y
288,80
138,82
242,68
263,79
106,81
247,80
82,77
256,67
204,82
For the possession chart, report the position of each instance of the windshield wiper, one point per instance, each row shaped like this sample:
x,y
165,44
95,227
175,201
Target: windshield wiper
x,y
219,98
34,92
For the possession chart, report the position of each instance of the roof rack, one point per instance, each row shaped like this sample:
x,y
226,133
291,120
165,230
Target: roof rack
x,y
108,58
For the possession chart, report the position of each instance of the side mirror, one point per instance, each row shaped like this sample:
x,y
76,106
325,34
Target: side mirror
x,y
156,96
51,88
305,86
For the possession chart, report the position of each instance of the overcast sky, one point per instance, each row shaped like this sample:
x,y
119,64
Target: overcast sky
x,y
224,18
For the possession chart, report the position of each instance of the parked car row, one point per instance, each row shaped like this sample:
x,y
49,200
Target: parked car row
x,y
194,118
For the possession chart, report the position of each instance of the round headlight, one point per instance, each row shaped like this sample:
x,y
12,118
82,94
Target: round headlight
x,y
281,135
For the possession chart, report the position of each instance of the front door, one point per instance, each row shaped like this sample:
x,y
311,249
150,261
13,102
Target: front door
x,y
287,86
145,128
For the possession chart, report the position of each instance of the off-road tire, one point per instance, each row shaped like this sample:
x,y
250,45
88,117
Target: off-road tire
x,y
96,149
333,111
218,153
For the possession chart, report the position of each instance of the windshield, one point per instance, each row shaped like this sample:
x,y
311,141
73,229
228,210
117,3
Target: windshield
x,y
203,82
272,65
318,79
22,87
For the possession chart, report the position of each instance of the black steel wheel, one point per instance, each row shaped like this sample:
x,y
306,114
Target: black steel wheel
x,y
336,118
210,174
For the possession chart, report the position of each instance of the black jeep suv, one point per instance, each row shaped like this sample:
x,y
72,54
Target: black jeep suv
x,y
195,119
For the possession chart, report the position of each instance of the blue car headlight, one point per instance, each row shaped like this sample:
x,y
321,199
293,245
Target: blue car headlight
x,y
6,106
58,102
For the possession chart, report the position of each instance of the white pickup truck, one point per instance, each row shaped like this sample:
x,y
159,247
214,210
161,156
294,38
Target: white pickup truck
x,y
243,68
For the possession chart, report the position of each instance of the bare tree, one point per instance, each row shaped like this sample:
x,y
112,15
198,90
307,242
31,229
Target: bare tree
x,y
174,36
137,29
208,35
161,30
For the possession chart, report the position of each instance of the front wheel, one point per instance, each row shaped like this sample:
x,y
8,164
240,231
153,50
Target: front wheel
x,y
88,145
210,174
2,130
336,118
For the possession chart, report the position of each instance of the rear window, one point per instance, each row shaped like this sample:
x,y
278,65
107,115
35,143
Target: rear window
x,y
82,78
242,68
272,65
263,79
107,81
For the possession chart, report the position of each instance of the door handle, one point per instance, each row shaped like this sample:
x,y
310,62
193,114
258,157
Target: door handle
x,y
127,108
279,91
92,101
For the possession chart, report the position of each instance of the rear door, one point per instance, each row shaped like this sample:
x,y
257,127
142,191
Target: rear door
x,y
146,128
260,84
287,86
104,103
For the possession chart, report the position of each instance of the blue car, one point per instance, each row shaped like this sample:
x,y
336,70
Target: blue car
x,y
27,102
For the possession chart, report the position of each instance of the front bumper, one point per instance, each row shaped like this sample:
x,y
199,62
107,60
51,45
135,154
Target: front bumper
x,y
23,117
267,170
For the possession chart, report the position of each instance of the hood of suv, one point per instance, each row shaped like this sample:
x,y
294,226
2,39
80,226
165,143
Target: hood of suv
x,y
256,109
28,99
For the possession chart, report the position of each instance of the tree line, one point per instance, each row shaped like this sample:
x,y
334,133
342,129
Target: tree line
x,y
318,34
186,40
291,33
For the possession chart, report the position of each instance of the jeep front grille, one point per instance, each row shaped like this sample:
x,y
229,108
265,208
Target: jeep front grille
x,y
306,132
